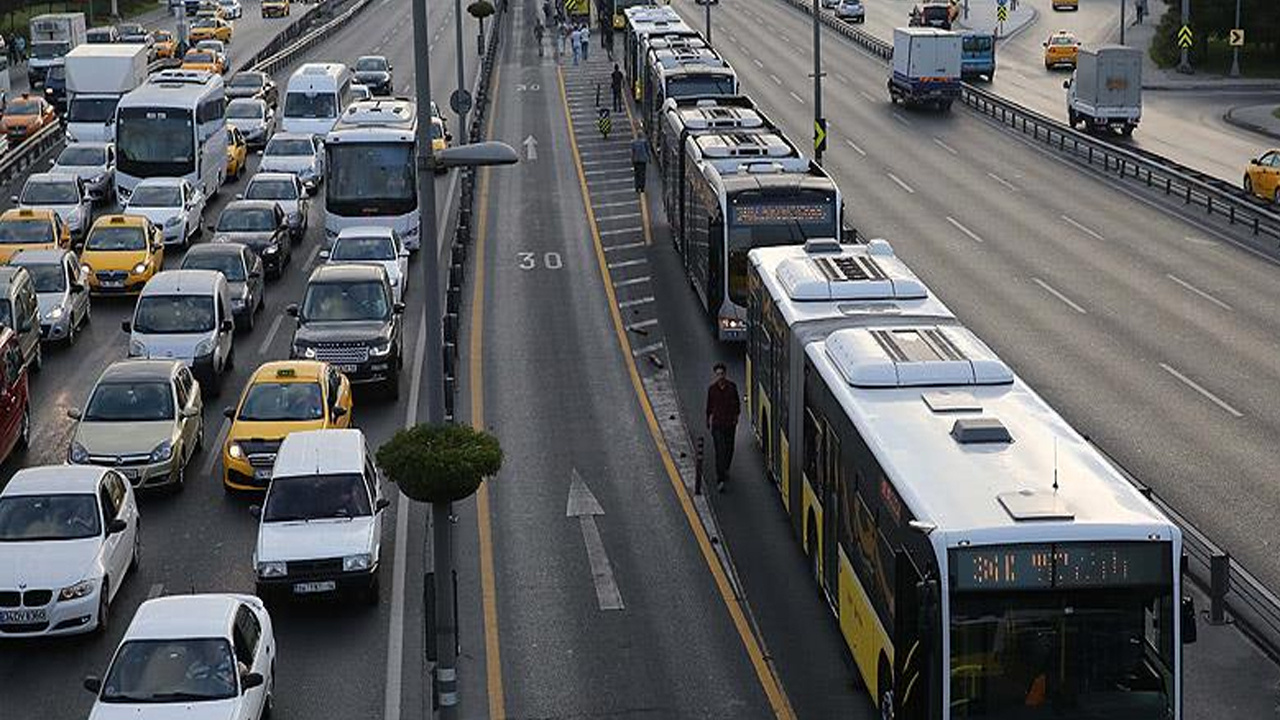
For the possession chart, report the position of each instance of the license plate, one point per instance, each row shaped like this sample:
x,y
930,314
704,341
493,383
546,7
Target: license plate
x,y
308,588
130,474
22,617
348,368
262,474
113,283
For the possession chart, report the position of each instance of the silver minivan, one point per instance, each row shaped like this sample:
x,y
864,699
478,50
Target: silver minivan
x,y
185,315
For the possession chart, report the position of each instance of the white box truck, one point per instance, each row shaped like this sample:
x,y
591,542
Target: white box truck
x,y
926,67
1106,89
53,35
97,76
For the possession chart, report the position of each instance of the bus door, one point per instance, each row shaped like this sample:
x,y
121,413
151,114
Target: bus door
x,y
831,509
915,632
716,265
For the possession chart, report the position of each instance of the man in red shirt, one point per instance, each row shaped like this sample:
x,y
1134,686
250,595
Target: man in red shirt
x,y
723,409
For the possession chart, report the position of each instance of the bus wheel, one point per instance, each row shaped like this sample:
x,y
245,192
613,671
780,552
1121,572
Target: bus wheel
x,y
885,689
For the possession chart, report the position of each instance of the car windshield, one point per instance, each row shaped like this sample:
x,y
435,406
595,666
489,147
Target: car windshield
x,y
282,189
162,36
156,196
247,220
290,146
371,64
173,314
245,80
312,497
140,401
129,238
33,518
205,23
1064,40
174,671
198,57
48,277
61,192
251,110
26,232
76,155
360,248
339,301
310,105
273,401
227,263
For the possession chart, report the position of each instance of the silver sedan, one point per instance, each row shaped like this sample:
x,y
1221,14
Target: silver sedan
x,y
94,164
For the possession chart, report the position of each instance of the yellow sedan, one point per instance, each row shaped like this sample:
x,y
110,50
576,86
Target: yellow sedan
x,y
237,152
166,45
206,60
1062,48
121,253
1262,177
210,29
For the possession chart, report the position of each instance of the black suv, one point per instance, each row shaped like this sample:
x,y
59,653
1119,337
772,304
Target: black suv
x,y
349,320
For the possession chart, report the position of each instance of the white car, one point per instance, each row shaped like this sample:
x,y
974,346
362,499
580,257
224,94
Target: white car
x,y
63,194
372,245
232,9
216,46
173,204
191,656
287,190
302,155
94,164
68,539
320,525
253,118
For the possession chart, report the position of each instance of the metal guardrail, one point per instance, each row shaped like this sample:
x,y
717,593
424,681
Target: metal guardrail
x,y
269,60
25,154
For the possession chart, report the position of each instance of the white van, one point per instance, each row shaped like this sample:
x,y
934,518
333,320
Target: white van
x,y
315,98
185,315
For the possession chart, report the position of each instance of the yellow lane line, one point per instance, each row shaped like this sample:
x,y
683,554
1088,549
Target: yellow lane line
x,y
772,687
488,589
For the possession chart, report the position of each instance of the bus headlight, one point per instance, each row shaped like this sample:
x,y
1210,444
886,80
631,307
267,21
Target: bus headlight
x,y
728,324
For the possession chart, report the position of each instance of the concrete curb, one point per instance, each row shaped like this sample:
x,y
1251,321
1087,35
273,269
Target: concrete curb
x,y
1225,86
1230,119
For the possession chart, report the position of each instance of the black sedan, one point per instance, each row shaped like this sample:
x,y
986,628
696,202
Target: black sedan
x,y
262,226
374,72
252,84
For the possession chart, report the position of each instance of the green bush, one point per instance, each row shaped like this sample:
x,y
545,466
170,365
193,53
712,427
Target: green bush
x,y
1164,46
440,463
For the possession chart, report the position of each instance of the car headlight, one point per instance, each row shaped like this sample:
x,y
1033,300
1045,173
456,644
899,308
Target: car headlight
x,y
78,455
55,313
381,350
272,569
235,451
139,268
271,250
84,267
79,590
204,347
356,563
174,221
163,451
238,302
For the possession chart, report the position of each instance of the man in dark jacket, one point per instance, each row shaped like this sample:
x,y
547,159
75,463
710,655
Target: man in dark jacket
x,y
615,80
723,409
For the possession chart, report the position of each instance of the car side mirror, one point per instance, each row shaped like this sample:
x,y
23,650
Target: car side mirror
x,y
1066,84
1044,44
228,412
239,196
255,510
398,308
53,162
1189,630
255,273
1253,161
228,325
77,287
73,413
93,684
324,254
126,326
13,199
251,681
117,525
291,310
382,504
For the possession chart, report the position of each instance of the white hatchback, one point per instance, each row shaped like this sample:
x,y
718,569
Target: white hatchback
x,y
68,538
372,245
191,656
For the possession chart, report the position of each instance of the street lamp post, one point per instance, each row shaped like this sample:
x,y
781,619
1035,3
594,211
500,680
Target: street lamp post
x,y
817,78
707,5
1235,49
1121,22
461,109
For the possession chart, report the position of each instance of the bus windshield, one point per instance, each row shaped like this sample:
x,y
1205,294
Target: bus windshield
x,y
1082,646
761,219
370,179
155,142
694,85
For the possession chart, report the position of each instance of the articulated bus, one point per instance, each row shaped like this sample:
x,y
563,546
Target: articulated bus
x,y
618,10
681,73
173,125
982,558
658,43
744,190
643,23
684,117
369,169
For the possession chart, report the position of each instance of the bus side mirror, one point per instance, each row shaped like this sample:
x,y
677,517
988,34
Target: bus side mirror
x,y
1188,620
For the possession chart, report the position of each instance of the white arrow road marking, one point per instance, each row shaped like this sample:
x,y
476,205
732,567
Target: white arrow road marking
x,y
584,506
531,147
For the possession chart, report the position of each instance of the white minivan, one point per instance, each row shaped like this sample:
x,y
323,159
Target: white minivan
x,y
185,315
315,97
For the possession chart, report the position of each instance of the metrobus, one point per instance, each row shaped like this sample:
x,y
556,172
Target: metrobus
x,y
618,9
685,117
982,558
643,23
173,125
315,97
664,42
369,169
744,190
680,73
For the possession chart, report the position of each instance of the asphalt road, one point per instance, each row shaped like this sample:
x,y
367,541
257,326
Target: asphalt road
x,y
333,662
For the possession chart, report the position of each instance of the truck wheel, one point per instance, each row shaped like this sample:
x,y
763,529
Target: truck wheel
x,y
1128,129
1071,118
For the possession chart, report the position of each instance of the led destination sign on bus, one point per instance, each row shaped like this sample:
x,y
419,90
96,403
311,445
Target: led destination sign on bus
x,y
781,213
1061,566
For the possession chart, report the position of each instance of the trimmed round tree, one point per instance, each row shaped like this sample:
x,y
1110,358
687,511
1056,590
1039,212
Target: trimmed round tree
x,y
440,463
480,9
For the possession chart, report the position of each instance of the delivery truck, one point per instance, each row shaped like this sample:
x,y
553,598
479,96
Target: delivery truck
x,y
97,76
53,35
1105,92
926,67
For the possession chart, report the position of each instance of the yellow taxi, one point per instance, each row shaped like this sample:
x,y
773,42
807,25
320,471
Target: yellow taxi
x,y
165,43
281,397
31,229
237,152
209,29
207,60
1262,177
121,253
1062,48
275,8
1066,4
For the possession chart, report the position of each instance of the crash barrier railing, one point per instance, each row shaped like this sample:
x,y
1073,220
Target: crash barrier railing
x,y
1194,188
25,154
269,60
464,232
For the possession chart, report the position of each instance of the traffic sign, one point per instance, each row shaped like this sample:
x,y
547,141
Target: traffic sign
x,y
820,135
1237,37
460,101
1185,37
1002,14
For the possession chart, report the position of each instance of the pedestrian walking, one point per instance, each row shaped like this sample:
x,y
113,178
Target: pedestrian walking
x,y
616,83
607,39
575,41
20,46
722,418
537,35
546,10
586,40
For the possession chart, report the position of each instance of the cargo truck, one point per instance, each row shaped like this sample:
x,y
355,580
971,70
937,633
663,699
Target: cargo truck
x,y
1106,89
97,76
53,35
926,67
